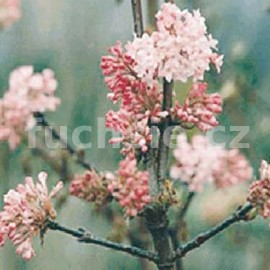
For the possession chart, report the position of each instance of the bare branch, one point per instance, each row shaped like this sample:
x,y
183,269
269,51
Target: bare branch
x,y
239,215
164,139
88,238
176,229
137,17
185,207
41,121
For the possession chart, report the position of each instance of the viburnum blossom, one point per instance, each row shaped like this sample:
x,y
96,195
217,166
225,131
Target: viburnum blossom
x,y
233,169
200,162
37,88
134,133
10,12
25,213
139,102
15,118
199,107
180,49
194,161
124,84
146,57
259,191
91,187
28,93
130,187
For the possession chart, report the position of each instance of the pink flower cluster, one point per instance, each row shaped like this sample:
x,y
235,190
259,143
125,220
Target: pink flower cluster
x,y
233,168
180,49
130,187
259,191
139,102
10,11
199,162
25,213
134,132
91,187
28,93
199,107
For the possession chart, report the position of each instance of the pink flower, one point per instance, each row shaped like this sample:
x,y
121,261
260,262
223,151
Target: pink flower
x,y
233,169
139,102
259,191
117,69
25,212
28,93
194,162
91,187
146,58
15,119
199,108
10,12
38,89
134,133
126,87
180,49
131,187
199,162
264,171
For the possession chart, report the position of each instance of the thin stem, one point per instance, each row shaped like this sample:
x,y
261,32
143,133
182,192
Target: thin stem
x,y
165,134
138,237
239,215
186,206
41,121
88,238
156,216
175,231
137,17
56,163
152,7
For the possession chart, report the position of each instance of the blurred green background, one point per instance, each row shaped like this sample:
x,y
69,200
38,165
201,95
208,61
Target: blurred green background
x,y
70,36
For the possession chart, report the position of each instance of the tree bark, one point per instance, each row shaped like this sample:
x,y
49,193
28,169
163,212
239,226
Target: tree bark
x,y
157,223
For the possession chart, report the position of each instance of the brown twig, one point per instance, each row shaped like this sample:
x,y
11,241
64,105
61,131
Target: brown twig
x,y
239,215
88,238
137,17
175,231
164,137
41,121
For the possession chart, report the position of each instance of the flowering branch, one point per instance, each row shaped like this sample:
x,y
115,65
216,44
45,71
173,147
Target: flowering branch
x,y
180,49
137,17
86,237
41,121
239,215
